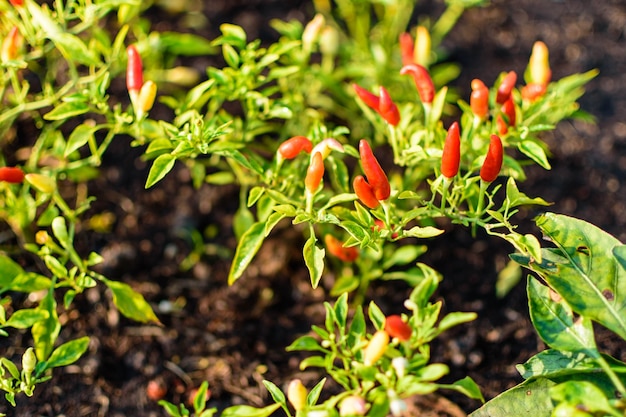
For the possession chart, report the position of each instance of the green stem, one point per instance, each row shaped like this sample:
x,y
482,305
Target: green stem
x,y
446,22
612,376
444,193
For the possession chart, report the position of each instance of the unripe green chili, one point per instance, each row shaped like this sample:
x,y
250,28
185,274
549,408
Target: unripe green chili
x,y
451,157
365,192
290,148
422,49
493,161
374,173
506,86
423,82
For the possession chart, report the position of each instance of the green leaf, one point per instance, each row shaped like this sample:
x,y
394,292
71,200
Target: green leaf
x,y
535,152
468,387
233,34
25,318
170,408
9,269
277,394
404,255
345,284
422,232
79,137
555,363
376,315
130,303
583,269
308,343
582,395
248,246
314,259
314,394
161,166
74,49
454,319
531,398
59,228
199,401
230,56
66,110
45,332
341,310
68,353
554,321
248,411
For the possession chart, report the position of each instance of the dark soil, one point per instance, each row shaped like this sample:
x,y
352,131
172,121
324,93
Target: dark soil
x,y
235,337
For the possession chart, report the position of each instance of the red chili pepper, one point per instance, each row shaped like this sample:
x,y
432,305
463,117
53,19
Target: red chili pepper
x,y
380,225
374,173
337,249
134,70
406,48
493,161
506,86
290,148
451,157
479,99
368,98
387,108
398,328
382,104
508,110
315,173
17,3
365,192
531,92
11,44
423,82
13,175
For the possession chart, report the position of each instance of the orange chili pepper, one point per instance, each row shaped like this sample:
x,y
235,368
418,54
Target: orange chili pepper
x,y
290,148
314,173
479,99
364,191
338,250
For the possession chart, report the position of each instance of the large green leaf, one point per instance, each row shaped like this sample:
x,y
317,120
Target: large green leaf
x,y
555,363
314,259
532,397
554,321
583,269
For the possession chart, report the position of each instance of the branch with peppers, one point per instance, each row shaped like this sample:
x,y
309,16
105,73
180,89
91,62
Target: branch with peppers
x,y
353,203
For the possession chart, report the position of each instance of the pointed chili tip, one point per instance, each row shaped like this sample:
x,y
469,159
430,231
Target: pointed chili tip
x,y
493,161
387,108
370,99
